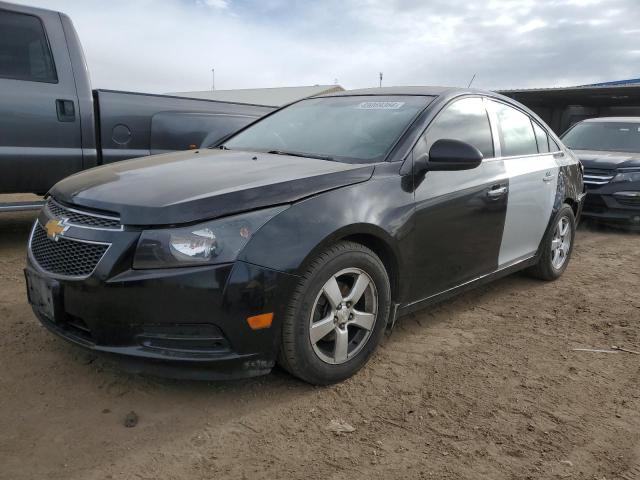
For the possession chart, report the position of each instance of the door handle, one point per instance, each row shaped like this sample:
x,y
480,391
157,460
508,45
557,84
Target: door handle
x,y
66,110
547,177
497,192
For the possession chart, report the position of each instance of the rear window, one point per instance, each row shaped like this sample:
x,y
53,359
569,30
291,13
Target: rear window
x,y
24,49
542,138
516,131
606,136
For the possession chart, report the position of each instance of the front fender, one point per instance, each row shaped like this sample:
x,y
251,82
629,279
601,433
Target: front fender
x,y
379,208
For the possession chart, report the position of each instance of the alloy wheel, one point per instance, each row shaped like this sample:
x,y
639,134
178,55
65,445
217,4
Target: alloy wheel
x,y
561,243
343,316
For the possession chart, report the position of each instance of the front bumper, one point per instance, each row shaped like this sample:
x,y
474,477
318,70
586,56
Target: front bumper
x,y
603,205
181,322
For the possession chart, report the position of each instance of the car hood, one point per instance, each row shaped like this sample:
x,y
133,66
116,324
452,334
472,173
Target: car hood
x,y
607,160
197,185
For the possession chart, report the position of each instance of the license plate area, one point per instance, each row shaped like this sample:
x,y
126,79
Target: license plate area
x,y
43,294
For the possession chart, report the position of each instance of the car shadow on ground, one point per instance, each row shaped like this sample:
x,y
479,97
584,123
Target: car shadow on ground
x,y
596,226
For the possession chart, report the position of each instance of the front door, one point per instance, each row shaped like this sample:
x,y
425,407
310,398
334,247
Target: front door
x,y
40,140
459,215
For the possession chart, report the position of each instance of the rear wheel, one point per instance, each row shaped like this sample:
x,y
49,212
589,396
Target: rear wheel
x,y
336,316
556,247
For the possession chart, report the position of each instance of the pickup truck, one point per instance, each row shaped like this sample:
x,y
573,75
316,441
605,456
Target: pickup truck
x,y
52,124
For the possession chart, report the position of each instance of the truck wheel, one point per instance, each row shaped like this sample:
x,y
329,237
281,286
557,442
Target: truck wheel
x,y
556,246
336,316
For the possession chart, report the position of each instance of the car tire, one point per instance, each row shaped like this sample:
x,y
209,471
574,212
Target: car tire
x,y
327,338
556,247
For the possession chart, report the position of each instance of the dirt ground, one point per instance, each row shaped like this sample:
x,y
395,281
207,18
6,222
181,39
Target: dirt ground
x,y
485,386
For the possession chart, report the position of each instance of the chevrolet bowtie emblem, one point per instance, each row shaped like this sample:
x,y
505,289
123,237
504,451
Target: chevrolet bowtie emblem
x,y
56,228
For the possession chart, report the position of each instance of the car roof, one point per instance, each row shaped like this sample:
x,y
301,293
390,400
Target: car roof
x,y
612,120
430,91
444,93
425,91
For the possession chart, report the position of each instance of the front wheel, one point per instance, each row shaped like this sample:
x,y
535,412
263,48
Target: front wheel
x,y
336,316
556,246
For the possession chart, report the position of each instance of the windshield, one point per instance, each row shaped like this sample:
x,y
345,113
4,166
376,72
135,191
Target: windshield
x,y
606,136
358,129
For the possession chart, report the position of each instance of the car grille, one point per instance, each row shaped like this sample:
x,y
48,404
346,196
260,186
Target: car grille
x,y
64,256
598,176
83,219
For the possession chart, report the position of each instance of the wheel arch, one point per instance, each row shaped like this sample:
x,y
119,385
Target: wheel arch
x,y
573,204
372,237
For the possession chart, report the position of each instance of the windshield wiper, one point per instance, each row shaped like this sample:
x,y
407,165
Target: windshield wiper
x,y
296,154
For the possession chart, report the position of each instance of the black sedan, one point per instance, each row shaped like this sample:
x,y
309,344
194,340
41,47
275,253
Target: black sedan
x,y
609,149
301,238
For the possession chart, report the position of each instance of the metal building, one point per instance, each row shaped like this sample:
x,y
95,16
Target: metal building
x,y
563,107
274,97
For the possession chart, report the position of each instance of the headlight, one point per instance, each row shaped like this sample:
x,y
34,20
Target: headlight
x,y
629,176
217,241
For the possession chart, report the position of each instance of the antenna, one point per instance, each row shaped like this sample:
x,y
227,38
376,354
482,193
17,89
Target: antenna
x,y
472,79
213,79
380,79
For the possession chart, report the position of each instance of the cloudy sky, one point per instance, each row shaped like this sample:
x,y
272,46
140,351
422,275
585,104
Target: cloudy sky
x,y
171,45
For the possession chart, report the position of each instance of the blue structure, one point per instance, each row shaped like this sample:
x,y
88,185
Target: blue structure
x,y
616,83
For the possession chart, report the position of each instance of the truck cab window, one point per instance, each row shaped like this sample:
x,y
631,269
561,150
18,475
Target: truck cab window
x,y
24,49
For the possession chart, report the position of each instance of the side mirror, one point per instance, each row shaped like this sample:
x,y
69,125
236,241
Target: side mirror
x,y
449,155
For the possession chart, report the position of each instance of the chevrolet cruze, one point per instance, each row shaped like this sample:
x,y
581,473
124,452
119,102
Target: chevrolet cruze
x,y
301,238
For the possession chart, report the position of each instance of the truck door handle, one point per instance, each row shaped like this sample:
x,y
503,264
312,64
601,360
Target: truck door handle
x,y
496,191
66,110
547,178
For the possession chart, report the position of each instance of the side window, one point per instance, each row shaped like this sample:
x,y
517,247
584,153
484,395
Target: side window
x,y
464,120
542,138
553,145
516,131
24,49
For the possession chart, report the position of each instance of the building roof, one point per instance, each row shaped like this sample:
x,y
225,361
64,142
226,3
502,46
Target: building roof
x,y
274,97
630,81
595,96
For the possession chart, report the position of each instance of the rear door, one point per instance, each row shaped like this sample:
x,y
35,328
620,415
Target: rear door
x,y
40,140
533,176
459,215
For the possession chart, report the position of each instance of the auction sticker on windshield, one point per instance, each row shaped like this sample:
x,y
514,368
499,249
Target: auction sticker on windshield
x,y
380,105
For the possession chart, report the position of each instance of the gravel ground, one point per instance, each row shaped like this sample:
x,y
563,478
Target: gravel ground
x,y
484,386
